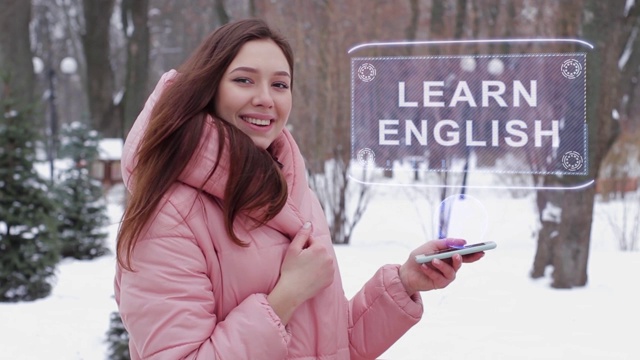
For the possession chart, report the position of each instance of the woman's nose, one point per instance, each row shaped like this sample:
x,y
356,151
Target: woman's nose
x,y
263,97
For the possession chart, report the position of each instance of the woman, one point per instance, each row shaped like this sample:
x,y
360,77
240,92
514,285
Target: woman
x,y
224,251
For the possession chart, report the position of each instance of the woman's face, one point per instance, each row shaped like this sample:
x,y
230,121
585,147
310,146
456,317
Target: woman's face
x,y
255,92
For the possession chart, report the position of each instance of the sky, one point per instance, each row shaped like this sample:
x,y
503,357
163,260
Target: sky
x,y
493,310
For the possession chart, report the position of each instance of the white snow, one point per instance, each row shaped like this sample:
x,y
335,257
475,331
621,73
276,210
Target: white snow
x,y
131,25
494,310
615,114
38,65
59,165
628,49
627,6
110,149
552,213
117,98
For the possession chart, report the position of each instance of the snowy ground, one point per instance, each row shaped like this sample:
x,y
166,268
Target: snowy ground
x,y
492,311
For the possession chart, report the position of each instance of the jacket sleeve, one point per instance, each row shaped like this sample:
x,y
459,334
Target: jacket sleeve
x,y
168,306
380,313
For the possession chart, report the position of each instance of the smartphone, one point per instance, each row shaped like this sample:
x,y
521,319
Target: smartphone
x,y
462,250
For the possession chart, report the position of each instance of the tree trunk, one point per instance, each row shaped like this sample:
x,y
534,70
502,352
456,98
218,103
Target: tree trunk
x,y
100,77
138,44
223,15
15,50
411,30
546,201
608,29
571,255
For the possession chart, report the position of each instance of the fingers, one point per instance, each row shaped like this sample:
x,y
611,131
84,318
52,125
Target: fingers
x,y
435,278
455,242
299,242
439,244
472,257
456,262
442,244
445,269
440,273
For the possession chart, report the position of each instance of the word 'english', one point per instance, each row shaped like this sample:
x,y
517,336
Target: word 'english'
x,y
433,92
446,133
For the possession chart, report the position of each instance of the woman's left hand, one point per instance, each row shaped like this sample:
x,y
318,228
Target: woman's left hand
x,y
438,273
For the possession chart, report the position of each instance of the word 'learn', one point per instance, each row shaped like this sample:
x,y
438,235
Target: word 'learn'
x,y
433,93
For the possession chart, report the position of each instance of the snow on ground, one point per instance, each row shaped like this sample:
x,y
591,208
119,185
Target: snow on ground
x,y
492,311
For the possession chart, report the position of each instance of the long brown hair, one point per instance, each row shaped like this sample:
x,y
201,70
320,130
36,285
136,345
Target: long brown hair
x,y
255,185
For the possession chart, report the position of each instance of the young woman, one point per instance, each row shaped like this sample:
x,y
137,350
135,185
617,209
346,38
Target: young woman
x,y
224,251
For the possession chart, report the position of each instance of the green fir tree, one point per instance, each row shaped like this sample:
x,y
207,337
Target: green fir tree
x,y
117,339
29,248
83,217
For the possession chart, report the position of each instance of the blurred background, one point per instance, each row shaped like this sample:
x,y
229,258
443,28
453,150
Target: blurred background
x,y
74,74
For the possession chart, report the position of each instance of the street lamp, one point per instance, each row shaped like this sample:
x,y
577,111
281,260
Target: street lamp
x,y
467,64
39,68
495,66
68,66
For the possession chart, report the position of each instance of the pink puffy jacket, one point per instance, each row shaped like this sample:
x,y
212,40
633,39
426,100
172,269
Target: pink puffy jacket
x,y
194,294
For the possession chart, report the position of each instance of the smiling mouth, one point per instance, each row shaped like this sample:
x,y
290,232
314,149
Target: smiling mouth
x,y
254,121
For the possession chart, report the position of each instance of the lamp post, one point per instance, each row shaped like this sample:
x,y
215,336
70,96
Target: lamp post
x,y
68,66
468,65
52,121
494,67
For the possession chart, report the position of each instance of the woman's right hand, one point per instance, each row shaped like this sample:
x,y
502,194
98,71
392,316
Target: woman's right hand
x,y
308,267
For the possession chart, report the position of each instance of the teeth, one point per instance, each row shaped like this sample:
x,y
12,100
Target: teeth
x,y
254,121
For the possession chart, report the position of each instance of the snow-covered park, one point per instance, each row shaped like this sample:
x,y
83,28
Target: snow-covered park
x,y
493,310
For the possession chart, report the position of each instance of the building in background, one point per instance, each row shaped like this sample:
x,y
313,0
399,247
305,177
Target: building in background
x,y
107,168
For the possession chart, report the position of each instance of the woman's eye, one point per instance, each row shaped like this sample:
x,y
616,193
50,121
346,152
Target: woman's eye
x,y
281,85
242,80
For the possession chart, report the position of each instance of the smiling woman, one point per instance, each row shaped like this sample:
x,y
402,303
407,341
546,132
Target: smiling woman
x,y
224,250
255,92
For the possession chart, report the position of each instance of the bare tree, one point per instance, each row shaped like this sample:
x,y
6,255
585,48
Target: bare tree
x,y
100,75
136,31
332,157
221,11
561,24
610,29
15,49
619,172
